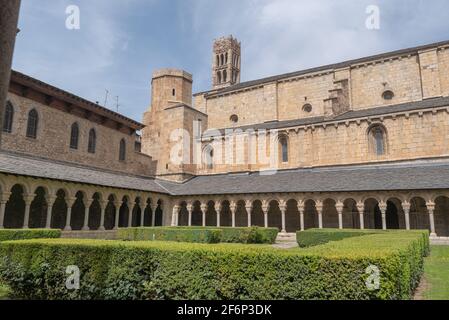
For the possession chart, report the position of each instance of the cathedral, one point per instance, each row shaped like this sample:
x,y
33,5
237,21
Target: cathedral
x,y
360,144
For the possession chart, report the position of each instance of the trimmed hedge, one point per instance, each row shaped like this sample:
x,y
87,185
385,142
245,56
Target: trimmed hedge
x,y
201,234
35,269
170,234
315,237
21,234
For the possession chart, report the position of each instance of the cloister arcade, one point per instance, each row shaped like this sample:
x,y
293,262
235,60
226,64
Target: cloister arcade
x,y
27,202
41,203
292,212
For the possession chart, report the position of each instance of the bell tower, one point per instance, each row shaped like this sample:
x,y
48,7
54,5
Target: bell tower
x,y
226,62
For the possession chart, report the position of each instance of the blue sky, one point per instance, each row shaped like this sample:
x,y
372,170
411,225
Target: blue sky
x,y
121,42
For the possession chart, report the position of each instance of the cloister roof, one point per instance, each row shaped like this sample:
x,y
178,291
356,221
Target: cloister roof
x,y
413,175
32,166
418,175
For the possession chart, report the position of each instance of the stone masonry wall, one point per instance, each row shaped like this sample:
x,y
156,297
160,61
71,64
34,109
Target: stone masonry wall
x,y
53,140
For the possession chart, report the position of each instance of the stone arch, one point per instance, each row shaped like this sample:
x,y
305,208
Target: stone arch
x,y
274,215
372,214
211,215
395,214
78,210
441,216
330,214
310,214
15,208
38,208
159,214
124,212
136,211
59,210
183,219
241,216
292,217
419,215
257,215
109,213
225,214
95,211
197,214
351,215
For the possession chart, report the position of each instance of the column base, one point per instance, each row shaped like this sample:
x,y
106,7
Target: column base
x,y
68,229
101,229
85,229
433,235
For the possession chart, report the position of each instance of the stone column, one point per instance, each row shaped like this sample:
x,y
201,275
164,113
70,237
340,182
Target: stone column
x,y
383,210
190,209
361,210
9,15
431,208
130,215
87,205
103,205
218,211
319,209
174,219
339,206
28,200
265,208
283,208
50,202
117,214
203,212
153,214
406,208
142,215
70,202
301,207
4,197
233,208
249,208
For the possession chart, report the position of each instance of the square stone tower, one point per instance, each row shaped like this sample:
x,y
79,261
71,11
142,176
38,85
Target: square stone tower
x,y
226,62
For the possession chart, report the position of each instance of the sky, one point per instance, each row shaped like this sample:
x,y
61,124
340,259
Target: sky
x,y
120,43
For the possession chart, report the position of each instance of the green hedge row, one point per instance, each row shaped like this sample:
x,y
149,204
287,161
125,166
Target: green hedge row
x,y
314,237
21,234
170,234
36,269
200,234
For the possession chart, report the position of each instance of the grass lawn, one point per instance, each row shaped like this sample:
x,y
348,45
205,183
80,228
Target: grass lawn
x,y
436,272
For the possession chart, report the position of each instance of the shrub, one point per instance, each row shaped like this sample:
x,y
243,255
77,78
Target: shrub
x,y
20,234
171,234
170,270
201,234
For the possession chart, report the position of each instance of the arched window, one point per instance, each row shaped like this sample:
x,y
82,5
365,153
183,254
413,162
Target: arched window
x,y
74,136
92,141
208,156
222,59
122,151
33,121
219,76
377,136
226,58
234,118
225,76
388,95
307,108
9,116
218,60
283,144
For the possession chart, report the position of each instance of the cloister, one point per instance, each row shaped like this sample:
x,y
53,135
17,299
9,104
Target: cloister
x,y
40,203
27,202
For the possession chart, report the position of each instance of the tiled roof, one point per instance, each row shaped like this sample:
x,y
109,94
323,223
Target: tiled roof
x,y
43,168
415,175
420,175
